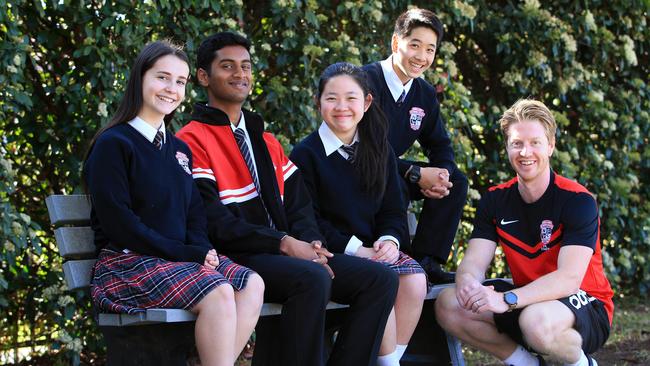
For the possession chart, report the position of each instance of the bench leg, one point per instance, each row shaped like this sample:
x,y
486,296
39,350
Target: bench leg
x,y
152,344
455,351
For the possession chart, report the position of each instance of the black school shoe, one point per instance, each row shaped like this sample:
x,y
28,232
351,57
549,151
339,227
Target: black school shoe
x,y
435,273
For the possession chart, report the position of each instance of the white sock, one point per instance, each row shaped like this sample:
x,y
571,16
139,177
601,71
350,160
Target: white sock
x,y
400,349
521,357
583,361
390,359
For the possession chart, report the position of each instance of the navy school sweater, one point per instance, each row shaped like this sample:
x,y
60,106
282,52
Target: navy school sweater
x,y
342,208
143,198
417,118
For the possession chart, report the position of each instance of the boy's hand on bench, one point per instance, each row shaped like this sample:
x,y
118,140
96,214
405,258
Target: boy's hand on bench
x,y
211,259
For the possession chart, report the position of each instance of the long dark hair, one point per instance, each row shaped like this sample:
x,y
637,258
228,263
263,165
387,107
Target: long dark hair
x,y
132,101
373,151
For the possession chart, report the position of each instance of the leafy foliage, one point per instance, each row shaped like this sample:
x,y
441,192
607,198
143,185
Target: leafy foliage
x,y
64,65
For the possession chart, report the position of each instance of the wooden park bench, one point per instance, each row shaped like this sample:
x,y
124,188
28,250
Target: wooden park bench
x,y
165,336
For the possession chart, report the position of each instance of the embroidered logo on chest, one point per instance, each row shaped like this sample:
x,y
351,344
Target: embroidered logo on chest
x,y
417,114
183,161
546,229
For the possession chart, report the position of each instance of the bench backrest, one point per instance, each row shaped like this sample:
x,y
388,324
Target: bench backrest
x,y
70,216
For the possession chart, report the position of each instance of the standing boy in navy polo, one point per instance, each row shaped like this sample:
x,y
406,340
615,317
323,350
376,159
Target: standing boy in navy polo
x,y
413,113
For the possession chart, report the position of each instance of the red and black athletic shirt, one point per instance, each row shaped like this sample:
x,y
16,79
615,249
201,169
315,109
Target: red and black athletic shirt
x,y
531,234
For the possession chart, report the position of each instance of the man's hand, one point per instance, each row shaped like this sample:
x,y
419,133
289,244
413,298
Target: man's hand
x,y
475,297
386,251
434,182
485,298
211,259
466,285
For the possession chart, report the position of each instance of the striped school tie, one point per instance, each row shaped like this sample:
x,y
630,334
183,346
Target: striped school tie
x,y
240,137
401,98
158,140
351,150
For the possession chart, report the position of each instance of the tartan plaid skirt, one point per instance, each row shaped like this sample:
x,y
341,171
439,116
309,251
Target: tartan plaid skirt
x,y
130,282
406,265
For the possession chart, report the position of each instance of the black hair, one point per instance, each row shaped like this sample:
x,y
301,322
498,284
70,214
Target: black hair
x,y
208,49
373,151
416,17
132,100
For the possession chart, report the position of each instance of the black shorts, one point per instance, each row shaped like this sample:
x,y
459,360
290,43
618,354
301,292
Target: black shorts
x,y
591,322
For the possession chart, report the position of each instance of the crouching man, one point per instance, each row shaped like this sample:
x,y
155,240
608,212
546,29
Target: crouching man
x,y
560,306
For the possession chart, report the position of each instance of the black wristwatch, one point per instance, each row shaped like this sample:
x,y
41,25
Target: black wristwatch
x,y
510,299
413,174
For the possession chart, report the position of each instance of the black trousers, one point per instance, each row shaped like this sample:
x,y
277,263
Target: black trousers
x,y
304,288
439,218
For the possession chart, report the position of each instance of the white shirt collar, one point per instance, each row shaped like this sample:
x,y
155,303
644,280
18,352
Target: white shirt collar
x,y
331,142
392,80
147,130
241,124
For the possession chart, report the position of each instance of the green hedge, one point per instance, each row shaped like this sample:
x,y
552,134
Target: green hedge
x,y
63,68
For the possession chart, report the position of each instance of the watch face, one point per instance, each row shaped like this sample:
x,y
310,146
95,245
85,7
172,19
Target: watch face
x,y
510,298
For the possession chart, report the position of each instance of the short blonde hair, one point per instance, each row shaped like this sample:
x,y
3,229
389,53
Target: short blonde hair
x,y
528,110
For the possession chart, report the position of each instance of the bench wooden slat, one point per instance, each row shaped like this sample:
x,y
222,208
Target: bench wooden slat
x,y
178,315
75,242
435,290
170,315
118,320
68,209
77,273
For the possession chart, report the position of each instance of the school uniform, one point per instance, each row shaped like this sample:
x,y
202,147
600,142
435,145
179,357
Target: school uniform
x,y
254,196
149,224
416,117
348,216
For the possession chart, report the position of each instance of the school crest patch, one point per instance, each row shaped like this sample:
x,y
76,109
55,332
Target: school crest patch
x,y
546,229
184,162
417,114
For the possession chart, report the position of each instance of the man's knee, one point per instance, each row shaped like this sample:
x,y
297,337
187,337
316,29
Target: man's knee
x,y
447,308
539,327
